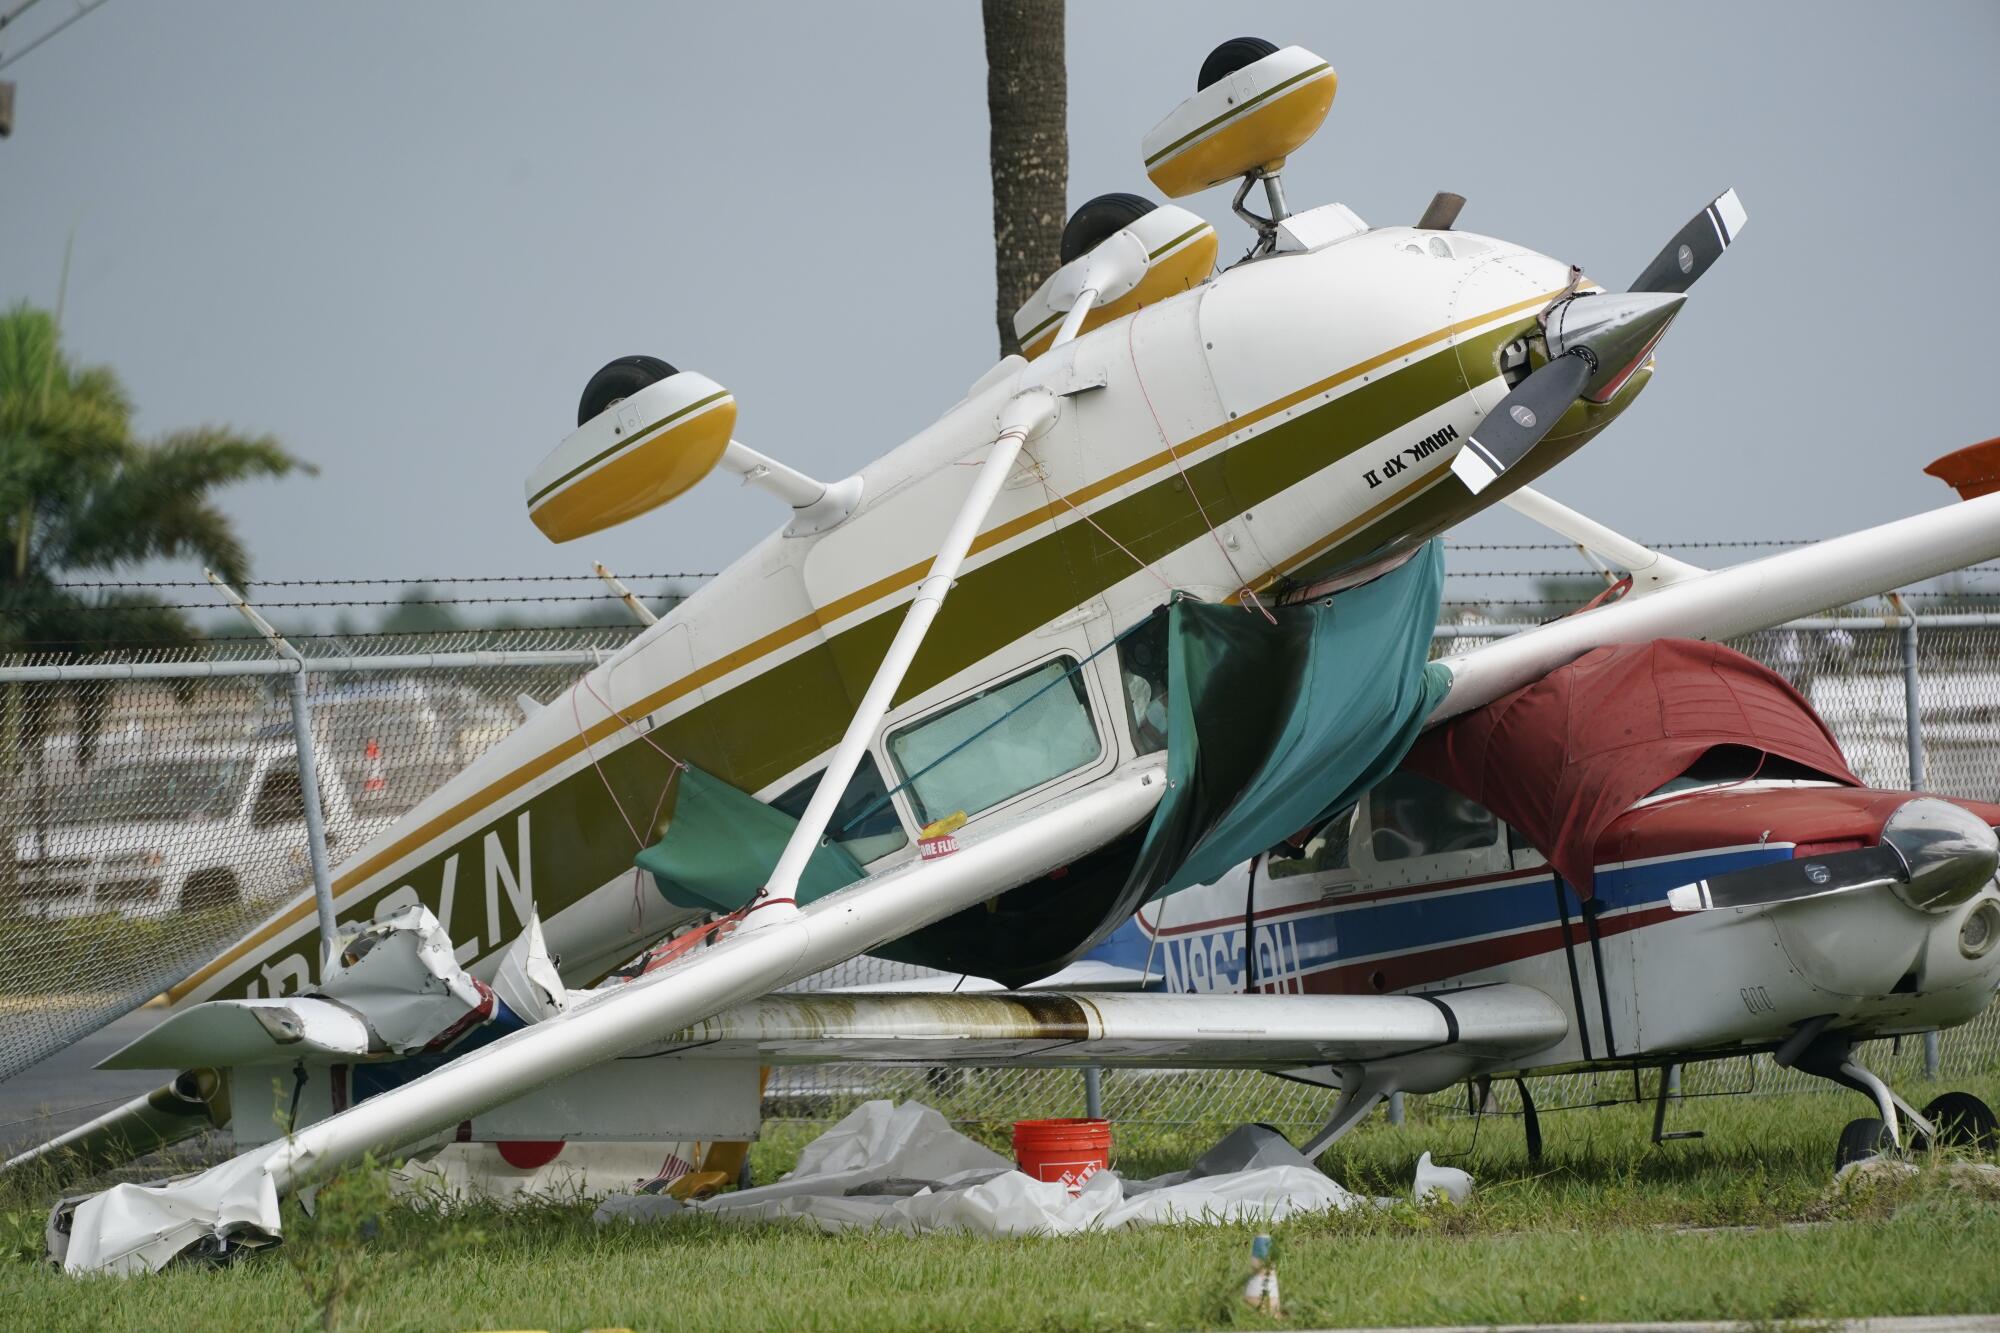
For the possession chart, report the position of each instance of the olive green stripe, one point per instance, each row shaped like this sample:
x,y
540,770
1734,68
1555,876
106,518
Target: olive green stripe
x,y
624,444
1177,144
1029,336
1195,230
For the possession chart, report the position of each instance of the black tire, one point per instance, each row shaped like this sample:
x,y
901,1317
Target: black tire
x,y
1862,1139
1231,56
207,889
620,379
1963,1121
1101,217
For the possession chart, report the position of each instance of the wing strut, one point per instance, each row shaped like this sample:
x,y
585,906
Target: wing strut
x,y
1648,568
1025,415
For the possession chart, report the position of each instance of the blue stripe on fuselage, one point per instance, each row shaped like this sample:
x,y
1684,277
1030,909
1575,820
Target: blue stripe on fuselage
x,y
1291,941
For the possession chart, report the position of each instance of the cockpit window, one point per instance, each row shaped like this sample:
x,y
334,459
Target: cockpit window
x,y
1326,850
1412,816
1142,666
863,822
1725,764
1008,738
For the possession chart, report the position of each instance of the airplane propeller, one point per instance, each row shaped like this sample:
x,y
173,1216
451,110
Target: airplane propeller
x,y
1934,854
1595,342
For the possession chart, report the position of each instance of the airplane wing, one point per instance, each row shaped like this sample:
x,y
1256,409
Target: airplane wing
x,y
1435,1038
1481,1023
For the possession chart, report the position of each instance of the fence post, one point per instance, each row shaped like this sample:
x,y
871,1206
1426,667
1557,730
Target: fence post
x,y
302,732
1913,735
1093,1092
302,728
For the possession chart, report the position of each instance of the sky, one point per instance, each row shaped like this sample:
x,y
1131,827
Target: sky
x,y
401,237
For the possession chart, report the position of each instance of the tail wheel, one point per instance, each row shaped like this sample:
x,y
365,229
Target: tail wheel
x,y
1862,1139
1099,219
620,379
1231,56
1963,1121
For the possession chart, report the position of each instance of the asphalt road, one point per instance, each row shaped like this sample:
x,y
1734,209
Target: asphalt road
x,y
65,1090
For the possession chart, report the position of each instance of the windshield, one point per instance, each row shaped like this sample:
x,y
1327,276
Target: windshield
x,y
139,790
1727,765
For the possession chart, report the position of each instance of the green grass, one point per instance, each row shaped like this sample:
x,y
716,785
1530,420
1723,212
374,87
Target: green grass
x,y
1744,1223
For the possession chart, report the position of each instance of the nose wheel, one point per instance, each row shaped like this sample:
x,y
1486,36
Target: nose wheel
x,y
1861,1140
1896,1125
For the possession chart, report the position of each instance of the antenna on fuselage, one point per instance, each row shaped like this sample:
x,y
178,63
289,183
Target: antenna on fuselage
x,y
1255,104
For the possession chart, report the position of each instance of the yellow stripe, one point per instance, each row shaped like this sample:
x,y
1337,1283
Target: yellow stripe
x,y
1236,111
833,611
631,443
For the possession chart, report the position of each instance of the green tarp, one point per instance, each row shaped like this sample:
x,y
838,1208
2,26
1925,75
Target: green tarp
x,y
721,846
1273,728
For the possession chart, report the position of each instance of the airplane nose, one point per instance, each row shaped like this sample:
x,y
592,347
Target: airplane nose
x,y
1613,331
1949,852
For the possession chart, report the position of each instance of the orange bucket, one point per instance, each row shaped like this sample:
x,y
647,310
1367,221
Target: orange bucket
x,y
1066,1151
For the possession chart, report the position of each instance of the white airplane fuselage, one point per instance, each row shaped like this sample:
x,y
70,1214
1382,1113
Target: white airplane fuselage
x,y
1288,423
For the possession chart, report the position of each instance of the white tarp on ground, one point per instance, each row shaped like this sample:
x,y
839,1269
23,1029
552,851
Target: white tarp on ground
x,y
903,1168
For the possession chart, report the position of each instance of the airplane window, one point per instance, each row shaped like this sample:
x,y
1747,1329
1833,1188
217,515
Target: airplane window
x,y
1726,764
1326,851
1007,739
1411,816
1142,661
864,823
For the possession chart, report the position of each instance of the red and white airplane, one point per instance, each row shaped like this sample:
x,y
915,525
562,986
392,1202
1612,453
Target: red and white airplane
x,y
1663,840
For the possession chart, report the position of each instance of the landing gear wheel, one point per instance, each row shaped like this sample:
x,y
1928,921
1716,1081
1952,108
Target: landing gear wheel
x,y
1231,56
1099,218
1862,1139
621,379
1963,1121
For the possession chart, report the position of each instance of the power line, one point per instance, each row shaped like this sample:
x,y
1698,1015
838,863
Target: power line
x,y
83,7
361,583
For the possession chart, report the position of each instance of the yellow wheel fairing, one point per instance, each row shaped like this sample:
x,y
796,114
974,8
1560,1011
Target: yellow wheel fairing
x,y
653,467
1259,132
1183,263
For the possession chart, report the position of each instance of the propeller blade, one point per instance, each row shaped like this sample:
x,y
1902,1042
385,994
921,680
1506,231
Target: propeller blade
x,y
1518,424
1791,881
1695,247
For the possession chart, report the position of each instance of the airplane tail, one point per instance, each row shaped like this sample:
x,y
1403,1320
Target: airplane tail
x,y
1972,471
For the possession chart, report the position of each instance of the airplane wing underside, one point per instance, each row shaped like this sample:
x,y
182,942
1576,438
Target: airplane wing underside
x,y
1483,1025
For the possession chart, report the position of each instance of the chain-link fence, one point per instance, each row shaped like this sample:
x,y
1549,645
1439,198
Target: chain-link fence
x,y
153,818
154,812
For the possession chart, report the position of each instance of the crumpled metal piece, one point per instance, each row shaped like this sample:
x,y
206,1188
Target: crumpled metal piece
x,y
132,1229
527,981
401,975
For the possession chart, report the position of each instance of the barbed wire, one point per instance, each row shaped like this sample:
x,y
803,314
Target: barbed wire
x,y
1678,546
149,607
356,583
11,647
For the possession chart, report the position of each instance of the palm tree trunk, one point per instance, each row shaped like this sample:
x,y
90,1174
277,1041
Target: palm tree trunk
x,y
1027,103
